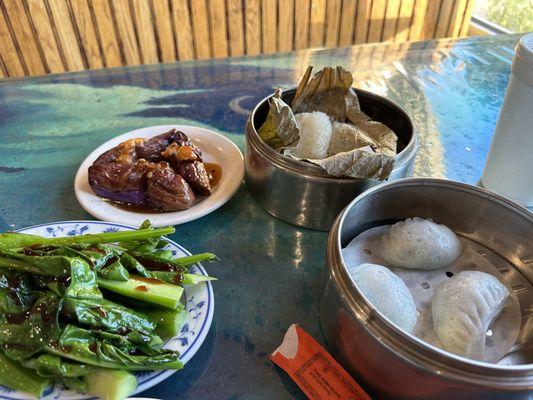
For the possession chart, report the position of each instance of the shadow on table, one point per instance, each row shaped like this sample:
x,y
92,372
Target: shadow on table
x,y
292,389
179,383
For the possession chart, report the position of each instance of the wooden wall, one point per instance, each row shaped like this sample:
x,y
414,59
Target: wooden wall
x,y
49,36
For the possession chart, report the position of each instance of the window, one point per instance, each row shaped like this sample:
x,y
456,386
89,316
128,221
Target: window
x,y
503,16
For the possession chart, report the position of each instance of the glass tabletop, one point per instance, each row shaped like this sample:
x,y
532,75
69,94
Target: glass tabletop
x,y
270,271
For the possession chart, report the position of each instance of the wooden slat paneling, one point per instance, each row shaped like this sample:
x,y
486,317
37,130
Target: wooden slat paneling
x,y
317,23
45,34
164,32
105,26
200,27
456,20
126,31
362,21
347,22
333,15
66,34
417,22
443,20
269,26
377,17
466,18
285,25
145,31
301,23
430,19
252,16
183,29
11,60
24,37
391,20
217,24
404,21
3,71
235,18
87,33
41,36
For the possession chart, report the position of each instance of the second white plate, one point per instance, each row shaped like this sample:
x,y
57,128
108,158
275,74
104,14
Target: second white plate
x,y
215,148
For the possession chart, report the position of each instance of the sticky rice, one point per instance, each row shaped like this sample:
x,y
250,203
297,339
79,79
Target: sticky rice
x,y
315,135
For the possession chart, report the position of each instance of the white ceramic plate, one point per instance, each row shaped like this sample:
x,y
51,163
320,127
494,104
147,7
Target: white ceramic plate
x,y
199,302
215,148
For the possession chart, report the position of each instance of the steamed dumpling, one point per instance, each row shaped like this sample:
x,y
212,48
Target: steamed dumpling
x,y
464,308
387,293
420,244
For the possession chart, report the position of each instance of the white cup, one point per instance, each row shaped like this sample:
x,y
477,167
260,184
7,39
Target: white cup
x,y
509,167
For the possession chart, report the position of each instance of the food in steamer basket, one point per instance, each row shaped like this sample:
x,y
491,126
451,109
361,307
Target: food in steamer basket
x,y
470,313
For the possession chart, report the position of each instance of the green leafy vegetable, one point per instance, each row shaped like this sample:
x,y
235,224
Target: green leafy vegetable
x,y
178,264
16,377
16,293
114,271
134,266
181,278
81,345
38,265
111,384
147,290
23,335
11,240
168,323
52,366
102,313
57,325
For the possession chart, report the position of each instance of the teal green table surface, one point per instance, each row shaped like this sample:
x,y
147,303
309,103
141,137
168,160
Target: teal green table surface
x,y
270,271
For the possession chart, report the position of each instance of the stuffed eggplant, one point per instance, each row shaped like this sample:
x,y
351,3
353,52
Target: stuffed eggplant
x,y
164,173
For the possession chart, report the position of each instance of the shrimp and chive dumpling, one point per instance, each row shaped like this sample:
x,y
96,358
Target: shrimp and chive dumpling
x,y
387,293
418,243
464,308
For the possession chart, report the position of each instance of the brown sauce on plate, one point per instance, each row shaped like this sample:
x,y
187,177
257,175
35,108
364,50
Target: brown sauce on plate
x,y
142,288
215,170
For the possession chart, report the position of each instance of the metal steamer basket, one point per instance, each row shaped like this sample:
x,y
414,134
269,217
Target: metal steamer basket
x,y
393,364
302,193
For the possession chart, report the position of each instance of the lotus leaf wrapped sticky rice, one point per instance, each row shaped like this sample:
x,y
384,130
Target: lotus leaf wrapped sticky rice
x,y
325,126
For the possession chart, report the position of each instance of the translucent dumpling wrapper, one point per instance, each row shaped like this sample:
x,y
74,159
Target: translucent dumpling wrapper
x,y
423,284
369,152
464,308
418,243
387,293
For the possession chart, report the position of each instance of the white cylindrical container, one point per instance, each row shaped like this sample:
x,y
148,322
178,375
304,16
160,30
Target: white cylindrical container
x,y
509,167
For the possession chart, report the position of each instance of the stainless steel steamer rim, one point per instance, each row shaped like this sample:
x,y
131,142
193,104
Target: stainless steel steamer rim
x,y
302,193
411,349
307,168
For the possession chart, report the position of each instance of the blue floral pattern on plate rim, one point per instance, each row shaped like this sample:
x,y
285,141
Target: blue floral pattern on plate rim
x,y
199,303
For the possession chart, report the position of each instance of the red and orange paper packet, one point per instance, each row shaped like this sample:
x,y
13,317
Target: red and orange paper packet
x,y
313,369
